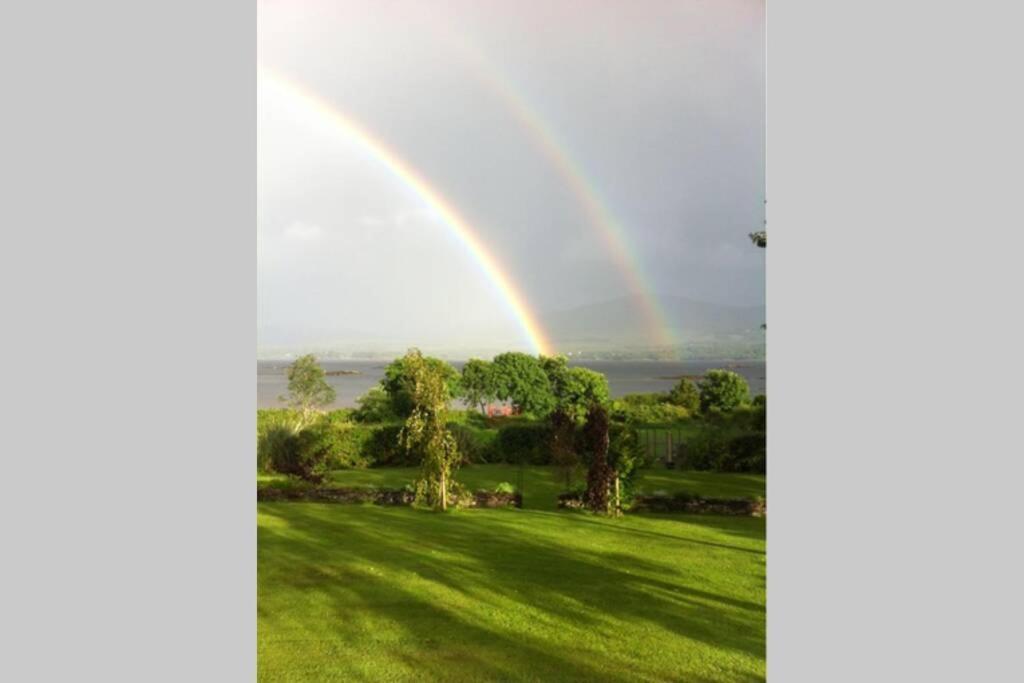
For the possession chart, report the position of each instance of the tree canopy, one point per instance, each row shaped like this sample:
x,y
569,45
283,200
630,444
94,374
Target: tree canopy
x,y
398,381
477,385
426,428
308,391
574,389
520,378
686,395
723,390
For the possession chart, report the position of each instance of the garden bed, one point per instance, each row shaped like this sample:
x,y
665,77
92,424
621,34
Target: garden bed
x,y
378,496
681,502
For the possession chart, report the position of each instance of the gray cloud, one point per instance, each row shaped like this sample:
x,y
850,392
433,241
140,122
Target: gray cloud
x,y
661,104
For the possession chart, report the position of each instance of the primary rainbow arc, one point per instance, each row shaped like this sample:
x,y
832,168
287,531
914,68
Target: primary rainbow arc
x,y
444,210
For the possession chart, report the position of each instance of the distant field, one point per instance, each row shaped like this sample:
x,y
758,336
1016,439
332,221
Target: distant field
x,y
368,593
541,485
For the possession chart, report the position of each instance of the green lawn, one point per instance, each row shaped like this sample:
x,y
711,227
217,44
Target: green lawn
x,y
369,593
541,485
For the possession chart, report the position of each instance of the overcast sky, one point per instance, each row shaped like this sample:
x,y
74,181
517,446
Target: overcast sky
x,y
661,104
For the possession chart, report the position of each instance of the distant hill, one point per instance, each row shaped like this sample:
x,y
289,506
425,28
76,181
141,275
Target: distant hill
x,y
622,323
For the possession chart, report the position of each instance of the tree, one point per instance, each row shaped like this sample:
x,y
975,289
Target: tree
x,y
723,390
398,382
308,391
519,378
625,456
685,394
477,383
574,389
599,476
426,428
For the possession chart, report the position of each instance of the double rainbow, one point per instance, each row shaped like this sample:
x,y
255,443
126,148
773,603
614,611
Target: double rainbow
x,y
444,210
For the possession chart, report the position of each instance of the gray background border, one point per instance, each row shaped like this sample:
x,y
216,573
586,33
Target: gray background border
x,y
127,272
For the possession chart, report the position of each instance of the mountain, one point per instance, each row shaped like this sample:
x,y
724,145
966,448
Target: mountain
x,y
621,322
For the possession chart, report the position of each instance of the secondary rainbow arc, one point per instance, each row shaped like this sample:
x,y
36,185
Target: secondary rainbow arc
x,y
598,213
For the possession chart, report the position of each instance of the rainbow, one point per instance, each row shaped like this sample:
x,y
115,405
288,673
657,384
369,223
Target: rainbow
x,y
599,215
444,210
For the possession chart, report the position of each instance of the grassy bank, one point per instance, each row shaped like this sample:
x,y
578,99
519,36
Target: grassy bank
x,y
397,594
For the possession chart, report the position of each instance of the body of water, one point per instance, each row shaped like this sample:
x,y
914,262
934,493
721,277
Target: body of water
x,y
624,377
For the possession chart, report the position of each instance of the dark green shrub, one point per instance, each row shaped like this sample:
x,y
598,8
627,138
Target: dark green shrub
x,y
382,448
343,441
267,420
474,444
524,443
294,453
719,450
747,453
374,407
705,450
723,390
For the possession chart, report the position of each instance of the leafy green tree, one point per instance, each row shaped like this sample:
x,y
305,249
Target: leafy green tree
x,y
574,389
308,391
625,457
686,395
600,475
521,379
477,383
723,390
398,382
426,428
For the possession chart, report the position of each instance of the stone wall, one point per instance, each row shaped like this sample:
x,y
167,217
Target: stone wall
x,y
325,494
682,502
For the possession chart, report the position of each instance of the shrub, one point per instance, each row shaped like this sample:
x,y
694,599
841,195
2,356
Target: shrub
x,y
382,448
723,390
524,443
685,395
374,406
625,454
297,453
342,441
474,444
504,487
647,412
747,453
267,420
718,450
703,451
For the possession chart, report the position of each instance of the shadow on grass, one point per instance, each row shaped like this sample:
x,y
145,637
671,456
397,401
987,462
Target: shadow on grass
x,y
366,593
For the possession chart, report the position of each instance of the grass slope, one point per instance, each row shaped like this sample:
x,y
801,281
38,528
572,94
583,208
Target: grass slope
x,y
367,593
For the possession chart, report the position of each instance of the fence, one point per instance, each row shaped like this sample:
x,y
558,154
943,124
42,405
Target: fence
x,y
660,444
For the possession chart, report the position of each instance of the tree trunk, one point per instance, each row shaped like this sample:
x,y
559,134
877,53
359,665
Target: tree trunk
x,y
444,492
618,498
